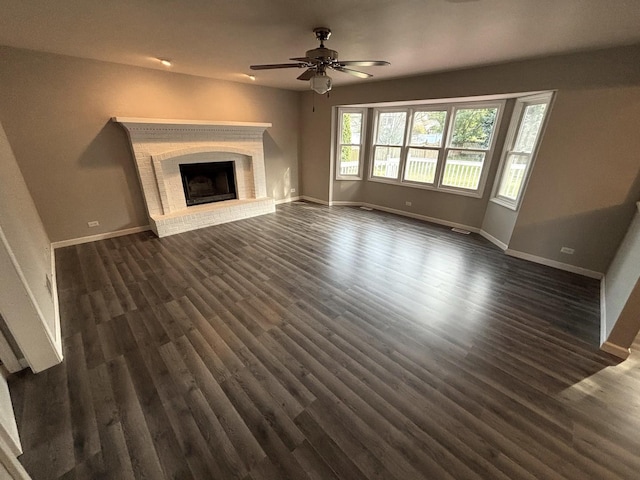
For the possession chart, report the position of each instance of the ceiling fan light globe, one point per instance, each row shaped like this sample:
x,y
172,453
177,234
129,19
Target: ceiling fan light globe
x,y
320,84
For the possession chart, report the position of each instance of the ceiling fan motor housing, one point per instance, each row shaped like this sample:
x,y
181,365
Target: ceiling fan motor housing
x,y
322,54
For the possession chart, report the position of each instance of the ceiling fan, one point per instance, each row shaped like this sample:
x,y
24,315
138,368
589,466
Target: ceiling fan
x,y
318,60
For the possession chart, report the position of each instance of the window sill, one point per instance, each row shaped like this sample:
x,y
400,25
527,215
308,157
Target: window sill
x,y
353,179
505,203
433,188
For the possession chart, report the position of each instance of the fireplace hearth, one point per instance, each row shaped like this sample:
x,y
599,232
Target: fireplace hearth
x,y
208,182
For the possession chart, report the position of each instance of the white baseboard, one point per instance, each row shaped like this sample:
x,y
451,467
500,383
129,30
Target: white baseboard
x,y
417,216
501,245
345,203
615,350
287,200
552,263
100,236
313,200
439,221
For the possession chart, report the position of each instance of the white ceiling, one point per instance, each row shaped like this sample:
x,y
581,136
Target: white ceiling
x,y
221,38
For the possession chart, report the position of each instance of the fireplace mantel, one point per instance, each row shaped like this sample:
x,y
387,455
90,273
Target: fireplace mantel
x,y
160,145
131,123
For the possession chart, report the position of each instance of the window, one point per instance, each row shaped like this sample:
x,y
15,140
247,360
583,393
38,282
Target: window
x,y
442,147
520,148
470,139
387,148
427,133
350,143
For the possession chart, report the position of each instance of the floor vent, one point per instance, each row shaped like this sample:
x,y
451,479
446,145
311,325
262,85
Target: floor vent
x,y
460,230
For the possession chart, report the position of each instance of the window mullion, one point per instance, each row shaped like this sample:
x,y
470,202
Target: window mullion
x,y
444,149
404,147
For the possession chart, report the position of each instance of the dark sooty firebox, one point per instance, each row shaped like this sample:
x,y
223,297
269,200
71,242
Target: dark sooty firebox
x,y
208,182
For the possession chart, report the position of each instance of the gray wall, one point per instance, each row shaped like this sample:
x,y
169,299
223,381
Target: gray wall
x,y
586,178
499,222
78,165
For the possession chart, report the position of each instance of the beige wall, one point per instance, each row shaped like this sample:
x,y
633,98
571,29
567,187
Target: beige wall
x,y
78,165
586,178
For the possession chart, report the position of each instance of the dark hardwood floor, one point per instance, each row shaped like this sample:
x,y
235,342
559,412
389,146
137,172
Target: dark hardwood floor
x,y
325,343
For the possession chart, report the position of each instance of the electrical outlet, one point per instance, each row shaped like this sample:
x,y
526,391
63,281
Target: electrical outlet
x,y
408,204
95,223
567,250
293,190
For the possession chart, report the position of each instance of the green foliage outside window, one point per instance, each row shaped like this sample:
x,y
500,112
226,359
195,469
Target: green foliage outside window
x,y
472,128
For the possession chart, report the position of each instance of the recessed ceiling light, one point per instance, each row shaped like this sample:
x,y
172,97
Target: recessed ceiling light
x,y
165,62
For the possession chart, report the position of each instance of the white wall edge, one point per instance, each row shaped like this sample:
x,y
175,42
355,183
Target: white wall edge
x,y
11,463
100,236
501,245
615,350
603,312
552,263
438,221
287,200
8,426
41,359
56,304
314,200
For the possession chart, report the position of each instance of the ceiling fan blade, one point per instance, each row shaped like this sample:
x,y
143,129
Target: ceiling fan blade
x,y
303,59
355,73
307,75
278,65
362,63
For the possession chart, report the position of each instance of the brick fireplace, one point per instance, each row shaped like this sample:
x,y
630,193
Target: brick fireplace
x,y
161,146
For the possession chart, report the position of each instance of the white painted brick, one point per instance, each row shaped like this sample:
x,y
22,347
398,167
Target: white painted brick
x,y
158,150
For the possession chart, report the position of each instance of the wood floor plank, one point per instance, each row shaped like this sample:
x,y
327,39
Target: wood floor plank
x,y
113,444
219,444
86,441
164,440
325,343
192,444
144,458
234,426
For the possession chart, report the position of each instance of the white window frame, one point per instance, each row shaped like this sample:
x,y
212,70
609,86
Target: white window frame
x,y
440,149
514,129
486,166
373,144
443,150
362,144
